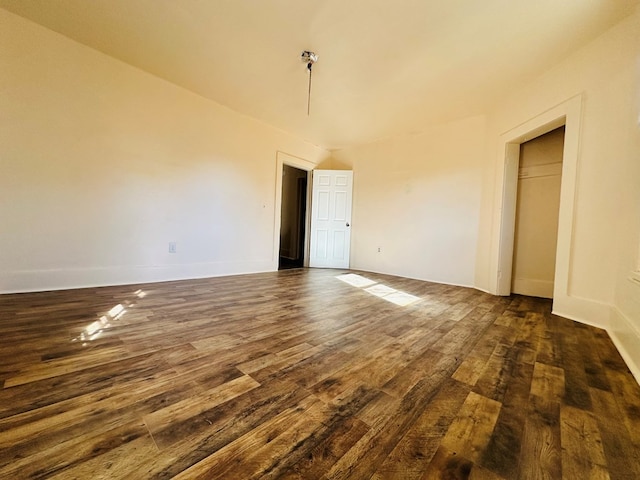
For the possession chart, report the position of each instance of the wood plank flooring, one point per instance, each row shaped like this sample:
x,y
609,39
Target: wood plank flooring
x,y
299,375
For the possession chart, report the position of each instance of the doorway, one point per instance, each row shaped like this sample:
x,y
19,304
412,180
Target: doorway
x,y
293,214
537,209
569,114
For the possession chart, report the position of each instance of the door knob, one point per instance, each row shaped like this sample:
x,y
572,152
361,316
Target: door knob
x,y
348,224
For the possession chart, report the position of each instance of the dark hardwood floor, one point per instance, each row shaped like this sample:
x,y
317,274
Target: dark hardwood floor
x,y
297,374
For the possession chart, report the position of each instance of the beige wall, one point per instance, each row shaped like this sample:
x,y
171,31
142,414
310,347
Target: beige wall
x,y
417,199
606,222
102,165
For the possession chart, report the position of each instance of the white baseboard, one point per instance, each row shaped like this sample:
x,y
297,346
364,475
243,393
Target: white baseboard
x,y
596,314
626,337
484,290
23,281
622,331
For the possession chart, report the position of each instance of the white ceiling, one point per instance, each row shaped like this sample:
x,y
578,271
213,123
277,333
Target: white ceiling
x,y
385,67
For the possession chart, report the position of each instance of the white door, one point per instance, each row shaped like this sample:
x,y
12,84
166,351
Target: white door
x,y
331,218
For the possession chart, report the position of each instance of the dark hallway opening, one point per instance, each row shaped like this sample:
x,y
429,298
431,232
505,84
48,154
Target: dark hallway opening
x,y
293,218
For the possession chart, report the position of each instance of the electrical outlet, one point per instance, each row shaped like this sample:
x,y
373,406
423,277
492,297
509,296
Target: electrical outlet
x,y
379,249
173,247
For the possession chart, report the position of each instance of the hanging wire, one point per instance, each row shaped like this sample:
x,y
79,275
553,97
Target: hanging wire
x,y
309,66
309,58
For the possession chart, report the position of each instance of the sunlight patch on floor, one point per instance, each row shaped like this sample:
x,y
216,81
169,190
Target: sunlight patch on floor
x,y
96,328
355,280
389,294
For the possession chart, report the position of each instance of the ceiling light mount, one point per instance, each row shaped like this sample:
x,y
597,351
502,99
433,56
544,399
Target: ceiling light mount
x,y
309,58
